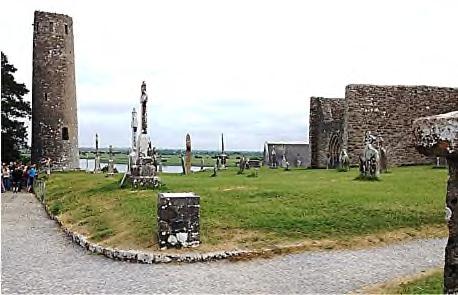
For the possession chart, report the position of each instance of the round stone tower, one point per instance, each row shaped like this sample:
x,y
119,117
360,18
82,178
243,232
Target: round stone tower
x,y
54,113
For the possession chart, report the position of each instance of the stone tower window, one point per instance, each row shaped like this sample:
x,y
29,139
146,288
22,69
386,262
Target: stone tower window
x,y
46,96
65,133
66,29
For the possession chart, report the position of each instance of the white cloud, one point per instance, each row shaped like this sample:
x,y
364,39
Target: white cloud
x,y
245,68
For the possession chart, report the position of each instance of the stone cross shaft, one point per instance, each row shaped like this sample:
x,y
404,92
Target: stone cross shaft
x,y
143,101
438,136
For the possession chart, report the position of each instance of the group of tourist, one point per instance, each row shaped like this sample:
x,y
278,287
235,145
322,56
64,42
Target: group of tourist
x,y
16,176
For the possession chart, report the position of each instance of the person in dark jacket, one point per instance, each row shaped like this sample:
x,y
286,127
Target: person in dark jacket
x,y
16,177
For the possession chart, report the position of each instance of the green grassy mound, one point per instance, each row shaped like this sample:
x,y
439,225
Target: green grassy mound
x,y
240,211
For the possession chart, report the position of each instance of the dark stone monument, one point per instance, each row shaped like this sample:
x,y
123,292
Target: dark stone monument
x,y
438,136
178,220
97,168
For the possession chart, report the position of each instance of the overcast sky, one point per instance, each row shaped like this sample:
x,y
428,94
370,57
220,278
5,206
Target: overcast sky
x,y
245,68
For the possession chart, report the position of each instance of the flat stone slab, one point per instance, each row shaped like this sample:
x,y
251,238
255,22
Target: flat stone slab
x,y
437,135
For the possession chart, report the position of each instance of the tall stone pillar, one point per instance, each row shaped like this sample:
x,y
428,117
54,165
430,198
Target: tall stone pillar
x,y
188,155
438,136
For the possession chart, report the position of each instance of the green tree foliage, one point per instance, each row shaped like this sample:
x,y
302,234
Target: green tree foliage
x,y
14,132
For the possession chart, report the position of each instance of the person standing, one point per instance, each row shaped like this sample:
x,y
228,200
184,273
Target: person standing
x,y
32,175
6,173
16,177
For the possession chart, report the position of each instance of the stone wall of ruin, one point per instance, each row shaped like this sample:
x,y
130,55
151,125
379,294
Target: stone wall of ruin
x,y
326,119
54,109
389,111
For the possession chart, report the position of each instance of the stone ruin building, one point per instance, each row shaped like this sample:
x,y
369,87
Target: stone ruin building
x,y
385,111
54,111
297,153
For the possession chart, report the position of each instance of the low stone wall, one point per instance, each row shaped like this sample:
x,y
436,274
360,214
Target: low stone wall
x,y
136,256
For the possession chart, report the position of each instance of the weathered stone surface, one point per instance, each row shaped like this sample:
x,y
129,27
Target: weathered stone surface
x,y
388,111
438,136
188,155
325,130
54,111
178,219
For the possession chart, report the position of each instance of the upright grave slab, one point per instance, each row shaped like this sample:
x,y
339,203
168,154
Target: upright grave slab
x,y
438,136
178,219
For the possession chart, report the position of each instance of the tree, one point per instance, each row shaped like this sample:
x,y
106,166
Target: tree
x,y
14,132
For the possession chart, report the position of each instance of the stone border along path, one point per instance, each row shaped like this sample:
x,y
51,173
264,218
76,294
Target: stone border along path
x,y
37,257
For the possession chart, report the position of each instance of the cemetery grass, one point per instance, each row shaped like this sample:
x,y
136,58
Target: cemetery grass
x,y
314,209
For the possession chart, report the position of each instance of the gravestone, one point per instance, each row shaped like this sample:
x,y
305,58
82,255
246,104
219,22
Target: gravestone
x,y
110,161
178,220
188,155
97,155
369,160
283,161
383,155
273,164
242,164
438,136
344,161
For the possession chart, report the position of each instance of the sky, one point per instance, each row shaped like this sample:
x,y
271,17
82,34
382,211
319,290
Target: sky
x,y
243,68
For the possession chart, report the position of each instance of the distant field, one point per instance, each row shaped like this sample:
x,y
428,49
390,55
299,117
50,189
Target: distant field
x,y
275,208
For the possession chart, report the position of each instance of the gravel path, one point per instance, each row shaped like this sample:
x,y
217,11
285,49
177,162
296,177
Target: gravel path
x,y
38,258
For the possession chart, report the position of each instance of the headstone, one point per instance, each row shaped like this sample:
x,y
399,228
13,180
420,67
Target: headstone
x,y
283,161
383,155
369,160
178,217
344,161
242,164
188,154
218,162
223,156
97,155
110,161
273,163
438,136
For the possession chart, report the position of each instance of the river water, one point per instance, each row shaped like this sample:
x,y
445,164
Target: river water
x,y
89,166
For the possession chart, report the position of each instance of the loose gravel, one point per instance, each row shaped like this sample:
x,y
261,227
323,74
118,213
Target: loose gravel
x,y
38,258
